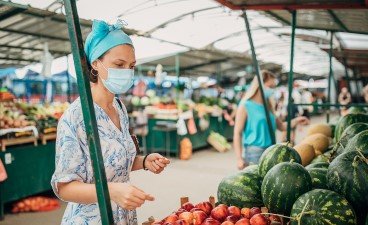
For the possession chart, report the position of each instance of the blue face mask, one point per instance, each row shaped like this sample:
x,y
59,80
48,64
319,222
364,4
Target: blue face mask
x,y
268,92
118,80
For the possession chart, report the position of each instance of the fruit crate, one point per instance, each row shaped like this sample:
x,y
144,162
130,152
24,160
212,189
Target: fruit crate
x,y
17,141
183,200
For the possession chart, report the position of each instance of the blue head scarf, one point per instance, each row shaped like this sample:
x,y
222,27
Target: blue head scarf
x,y
103,37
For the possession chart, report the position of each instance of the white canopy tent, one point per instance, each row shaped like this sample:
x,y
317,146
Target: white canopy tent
x,y
166,27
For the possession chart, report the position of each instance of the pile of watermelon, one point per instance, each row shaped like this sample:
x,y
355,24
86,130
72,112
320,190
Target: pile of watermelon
x,y
321,181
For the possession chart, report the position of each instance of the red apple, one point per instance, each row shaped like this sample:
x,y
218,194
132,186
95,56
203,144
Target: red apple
x,y
255,211
205,207
187,216
181,222
275,218
243,221
219,213
234,211
227,223
246,213
171,219
180,211
222,206
187,206
198,217
196,209
232,219
211,221
259,219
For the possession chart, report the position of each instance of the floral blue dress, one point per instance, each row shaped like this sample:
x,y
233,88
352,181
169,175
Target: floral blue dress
x,y
73,161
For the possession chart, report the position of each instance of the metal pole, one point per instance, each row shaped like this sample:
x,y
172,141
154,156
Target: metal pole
x,y
89,116
347,77
291,77
68,80
329,79
355,73
177,72
260,79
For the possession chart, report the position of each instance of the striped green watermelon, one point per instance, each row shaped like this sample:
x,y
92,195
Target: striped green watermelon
x,y
242,190
251,169
283,184
347,135
321,158
348,176
319,178
322,207
358,142
318,165
346,121
276,154
355,110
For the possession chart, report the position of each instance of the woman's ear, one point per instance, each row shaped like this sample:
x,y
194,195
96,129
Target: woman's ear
x,y
94,65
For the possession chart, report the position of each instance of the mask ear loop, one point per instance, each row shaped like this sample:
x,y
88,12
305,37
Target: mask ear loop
x,y
94,74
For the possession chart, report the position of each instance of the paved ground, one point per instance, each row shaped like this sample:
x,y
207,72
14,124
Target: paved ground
x,y
197,178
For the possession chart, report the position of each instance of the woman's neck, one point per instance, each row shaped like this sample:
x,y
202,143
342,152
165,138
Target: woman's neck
x,y
257,97
102,97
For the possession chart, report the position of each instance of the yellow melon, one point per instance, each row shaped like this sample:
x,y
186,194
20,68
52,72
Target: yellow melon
x,y
319,142
306,152
320,128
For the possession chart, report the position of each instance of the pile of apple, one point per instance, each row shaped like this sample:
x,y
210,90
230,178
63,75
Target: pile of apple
x,y
204,214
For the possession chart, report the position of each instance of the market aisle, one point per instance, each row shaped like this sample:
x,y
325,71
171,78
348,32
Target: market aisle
x,y
197,178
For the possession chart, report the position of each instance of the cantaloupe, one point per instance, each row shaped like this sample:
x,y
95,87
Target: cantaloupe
x,y
306,152
319,142
320,128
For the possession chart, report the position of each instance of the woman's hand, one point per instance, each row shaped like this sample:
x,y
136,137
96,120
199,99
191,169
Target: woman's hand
x,y
241,164
300,120
128,196
156,163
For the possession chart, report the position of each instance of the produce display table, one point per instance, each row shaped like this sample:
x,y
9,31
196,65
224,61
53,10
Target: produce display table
x,y
158,140
29,171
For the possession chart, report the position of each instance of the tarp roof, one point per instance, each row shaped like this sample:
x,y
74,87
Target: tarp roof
x,y
189,25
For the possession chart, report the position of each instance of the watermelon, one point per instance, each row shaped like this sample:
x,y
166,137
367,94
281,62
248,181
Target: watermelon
x,y
348,176
321,158
366,220
355,110
347,135
358,142
242,190
318,165
346,121
319,179
322,207
283,184
251,169
276,154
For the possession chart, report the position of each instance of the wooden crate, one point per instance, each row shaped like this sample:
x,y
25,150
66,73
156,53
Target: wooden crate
x,y
183,200
47,137
17,141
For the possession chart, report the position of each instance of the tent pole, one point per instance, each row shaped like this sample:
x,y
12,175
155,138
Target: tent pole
x,y
291,77
355,73
68,80
329,79
347,77
177,73
89,116
260,79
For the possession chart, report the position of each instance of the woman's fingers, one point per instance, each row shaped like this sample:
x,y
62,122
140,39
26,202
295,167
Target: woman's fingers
x,y
155,166
159,163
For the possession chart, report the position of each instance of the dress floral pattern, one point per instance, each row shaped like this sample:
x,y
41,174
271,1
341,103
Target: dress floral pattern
x,y
73,161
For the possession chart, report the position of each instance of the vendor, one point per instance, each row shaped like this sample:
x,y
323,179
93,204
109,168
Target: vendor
x,y
111,58
251,133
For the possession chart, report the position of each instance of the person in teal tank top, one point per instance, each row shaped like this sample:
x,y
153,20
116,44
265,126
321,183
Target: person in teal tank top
x,y
251,134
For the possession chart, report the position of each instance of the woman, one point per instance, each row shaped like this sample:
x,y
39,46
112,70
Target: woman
x,y
251,134
110,55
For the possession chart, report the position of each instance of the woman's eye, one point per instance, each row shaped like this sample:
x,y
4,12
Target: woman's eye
x,y
132,67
